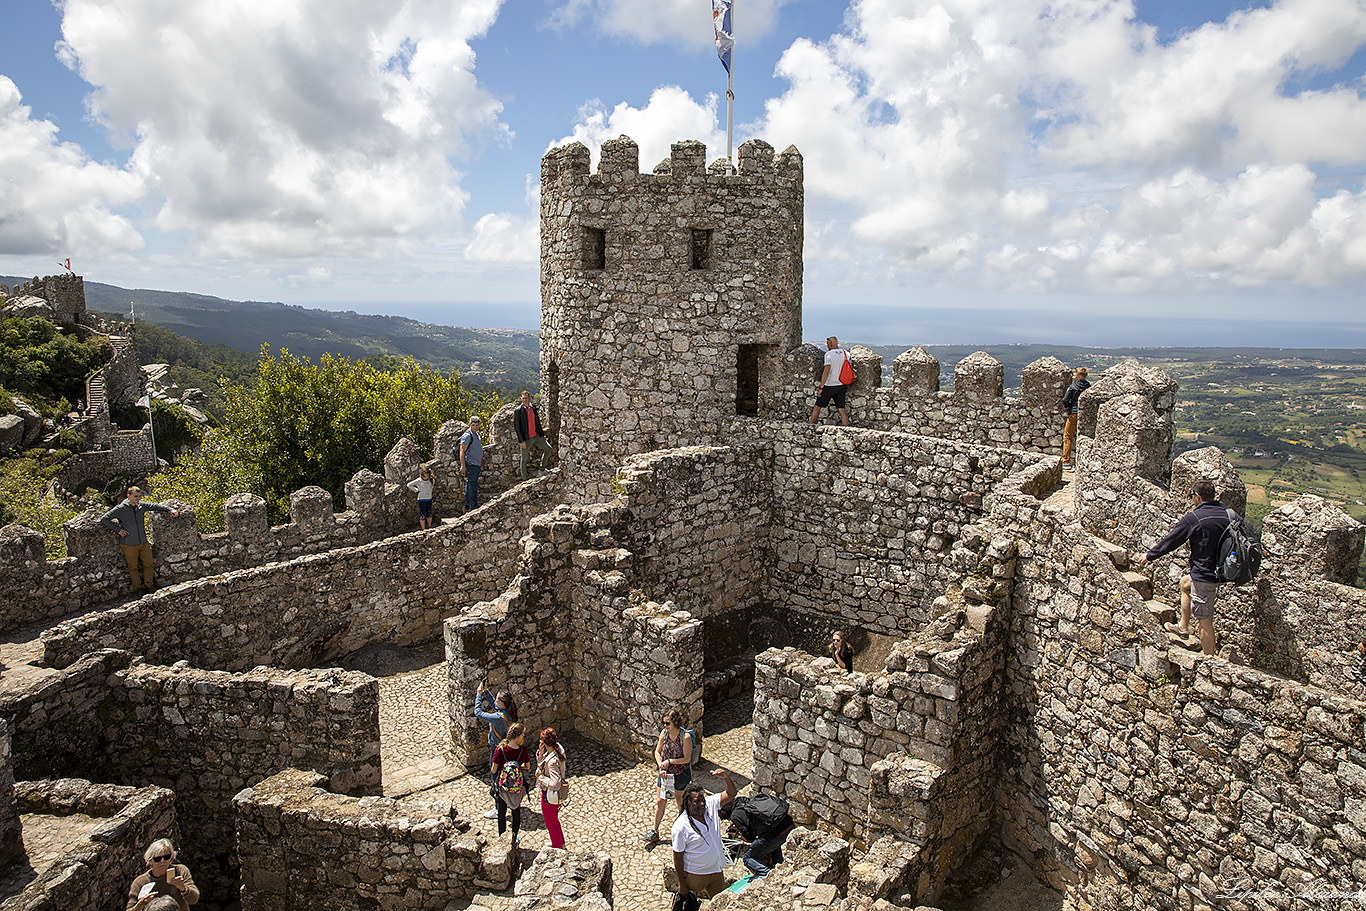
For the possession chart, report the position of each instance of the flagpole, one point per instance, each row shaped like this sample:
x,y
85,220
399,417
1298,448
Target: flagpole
x,y
730,97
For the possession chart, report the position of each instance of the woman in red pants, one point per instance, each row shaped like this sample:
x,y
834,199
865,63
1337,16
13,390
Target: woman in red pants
x,y
550,775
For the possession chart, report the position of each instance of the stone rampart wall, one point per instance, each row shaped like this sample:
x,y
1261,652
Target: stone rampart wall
x,y
129,453
96,872
65,292
862,520
208,734
11,827
55,722
305,847
378,507
908,754
575,641
699,525
1155,778
123,380
313,610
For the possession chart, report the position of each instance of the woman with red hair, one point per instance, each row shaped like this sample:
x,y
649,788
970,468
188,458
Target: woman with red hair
x,y
550,775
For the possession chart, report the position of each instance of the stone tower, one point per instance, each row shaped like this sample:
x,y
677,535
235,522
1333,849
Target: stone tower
x,y
667,299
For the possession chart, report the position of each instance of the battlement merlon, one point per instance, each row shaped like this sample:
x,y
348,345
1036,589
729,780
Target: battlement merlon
x,y
619,162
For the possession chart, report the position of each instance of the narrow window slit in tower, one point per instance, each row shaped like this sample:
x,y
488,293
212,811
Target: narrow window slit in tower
x,y
747,380
701,248
594,249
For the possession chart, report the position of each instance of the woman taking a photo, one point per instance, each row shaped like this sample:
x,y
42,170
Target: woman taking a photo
x,y
550,775
499,713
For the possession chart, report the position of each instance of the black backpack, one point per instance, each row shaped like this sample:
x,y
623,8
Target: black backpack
x,y
766,813
1240,552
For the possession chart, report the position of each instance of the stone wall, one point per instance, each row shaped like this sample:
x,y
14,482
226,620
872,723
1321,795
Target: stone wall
x,y
129,453
378,507
566,881
95,873
11,827
314,610
576,641
668,298
55,722
65,292
862,521
208,734
379,852
908,755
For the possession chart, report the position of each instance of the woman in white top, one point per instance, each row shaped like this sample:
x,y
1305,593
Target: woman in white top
x,y
550,775
422,486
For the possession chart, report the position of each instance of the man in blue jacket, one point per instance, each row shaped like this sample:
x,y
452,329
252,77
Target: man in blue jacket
x,y
128,521
1203,526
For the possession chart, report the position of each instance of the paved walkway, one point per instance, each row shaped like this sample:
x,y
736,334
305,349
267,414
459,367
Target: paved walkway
x,y
612,804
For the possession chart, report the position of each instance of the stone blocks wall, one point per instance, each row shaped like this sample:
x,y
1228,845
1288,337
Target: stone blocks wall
x,y
862,521
909,754
313,610
65,293
55,722
379,852
566,881
129,453
208,734
95,874
669,295
11,827
378,507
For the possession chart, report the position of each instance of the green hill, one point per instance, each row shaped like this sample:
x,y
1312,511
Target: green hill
x,y
505,357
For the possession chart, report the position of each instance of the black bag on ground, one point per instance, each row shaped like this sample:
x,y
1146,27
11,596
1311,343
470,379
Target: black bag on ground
x,y
1240,552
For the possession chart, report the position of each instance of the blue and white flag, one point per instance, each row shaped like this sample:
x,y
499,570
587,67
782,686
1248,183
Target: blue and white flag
x,y
725,39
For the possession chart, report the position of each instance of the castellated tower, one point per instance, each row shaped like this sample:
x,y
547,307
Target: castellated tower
x,y
667,299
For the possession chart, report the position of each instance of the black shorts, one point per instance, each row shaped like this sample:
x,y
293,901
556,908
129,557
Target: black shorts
x,y
424,509
830,394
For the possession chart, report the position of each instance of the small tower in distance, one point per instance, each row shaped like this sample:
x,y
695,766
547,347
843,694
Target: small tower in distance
x,y
667,299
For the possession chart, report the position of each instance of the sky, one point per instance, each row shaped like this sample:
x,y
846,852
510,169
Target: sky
x,y
1165,172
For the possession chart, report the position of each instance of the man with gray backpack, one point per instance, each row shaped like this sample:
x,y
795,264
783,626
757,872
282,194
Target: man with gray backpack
x,y
1224,548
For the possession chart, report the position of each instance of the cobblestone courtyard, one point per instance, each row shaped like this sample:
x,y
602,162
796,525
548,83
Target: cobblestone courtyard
x,y
612,802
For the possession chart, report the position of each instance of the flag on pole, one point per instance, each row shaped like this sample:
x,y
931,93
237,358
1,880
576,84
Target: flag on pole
x,y
144,402
725,39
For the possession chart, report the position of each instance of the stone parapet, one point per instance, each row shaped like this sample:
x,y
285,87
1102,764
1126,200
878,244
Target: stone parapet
x,y
95,872
380,852
315,609
95,572
565,881
210,732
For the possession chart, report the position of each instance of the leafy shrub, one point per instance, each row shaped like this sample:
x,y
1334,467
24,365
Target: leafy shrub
x,y
23,501
72,440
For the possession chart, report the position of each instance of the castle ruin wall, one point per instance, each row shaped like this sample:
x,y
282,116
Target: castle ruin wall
x,y
378,507
380,852
11,825
208,734
128,453
316,609
95,873
65,293
862,521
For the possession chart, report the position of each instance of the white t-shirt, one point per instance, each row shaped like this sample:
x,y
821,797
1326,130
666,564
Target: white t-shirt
x,y
834,359
701,846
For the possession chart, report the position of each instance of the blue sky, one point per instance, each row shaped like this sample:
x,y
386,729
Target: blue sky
x,y
1075,171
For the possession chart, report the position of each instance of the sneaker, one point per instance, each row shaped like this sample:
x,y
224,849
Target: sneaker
x,y
491,814
1066,466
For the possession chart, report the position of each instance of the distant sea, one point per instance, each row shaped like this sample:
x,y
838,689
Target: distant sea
x,y
1108,328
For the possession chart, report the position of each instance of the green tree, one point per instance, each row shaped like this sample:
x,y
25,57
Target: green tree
x,y
23,501
41,359
207,477
304,423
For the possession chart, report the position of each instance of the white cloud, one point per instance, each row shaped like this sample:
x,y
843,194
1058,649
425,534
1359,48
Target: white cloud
x,y
686,23
670,115
509,237
53,199
290,129
1061,145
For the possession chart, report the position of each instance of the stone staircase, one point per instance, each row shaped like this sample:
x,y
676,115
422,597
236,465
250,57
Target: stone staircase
x,y
94,392
1141,583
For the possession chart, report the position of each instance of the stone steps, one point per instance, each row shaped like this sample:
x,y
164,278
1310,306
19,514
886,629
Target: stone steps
x,y
1142,584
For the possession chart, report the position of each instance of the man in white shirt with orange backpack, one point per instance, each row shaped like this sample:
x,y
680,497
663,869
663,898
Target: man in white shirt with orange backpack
x,y
834,381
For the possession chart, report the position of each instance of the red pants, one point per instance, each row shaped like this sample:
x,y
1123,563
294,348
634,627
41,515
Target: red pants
x,y
551,812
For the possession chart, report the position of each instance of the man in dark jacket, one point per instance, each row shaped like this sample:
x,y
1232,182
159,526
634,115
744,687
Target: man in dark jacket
x,y
1203,526
128,521
1069,403
530,431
